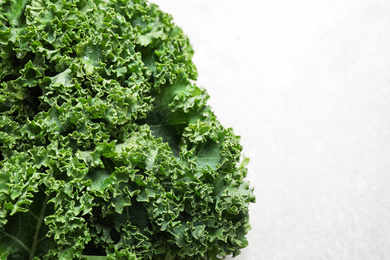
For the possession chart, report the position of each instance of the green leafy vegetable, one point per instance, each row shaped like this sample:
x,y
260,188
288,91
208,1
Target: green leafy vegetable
x,y
107,147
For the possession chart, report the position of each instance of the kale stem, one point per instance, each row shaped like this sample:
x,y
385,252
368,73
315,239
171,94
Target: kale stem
x,y
39,224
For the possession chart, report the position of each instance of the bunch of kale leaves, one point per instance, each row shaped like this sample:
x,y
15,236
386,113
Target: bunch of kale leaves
x,y
107,147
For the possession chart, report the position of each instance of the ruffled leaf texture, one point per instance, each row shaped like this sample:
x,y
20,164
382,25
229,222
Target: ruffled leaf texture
x,y
108,149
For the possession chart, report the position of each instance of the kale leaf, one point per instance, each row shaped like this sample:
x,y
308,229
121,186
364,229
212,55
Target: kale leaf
x,y
108,149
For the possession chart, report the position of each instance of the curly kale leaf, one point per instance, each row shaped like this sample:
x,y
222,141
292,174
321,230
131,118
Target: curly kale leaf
x,y
108,149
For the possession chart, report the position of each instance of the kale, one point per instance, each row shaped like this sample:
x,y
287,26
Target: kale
x,y
108,149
